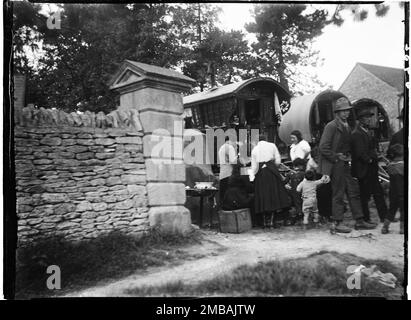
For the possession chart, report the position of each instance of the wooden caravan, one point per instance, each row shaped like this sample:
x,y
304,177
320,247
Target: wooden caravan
x,y
247,104
380,124
309,114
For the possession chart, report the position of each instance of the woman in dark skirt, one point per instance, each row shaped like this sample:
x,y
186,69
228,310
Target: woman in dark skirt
x,y
270,195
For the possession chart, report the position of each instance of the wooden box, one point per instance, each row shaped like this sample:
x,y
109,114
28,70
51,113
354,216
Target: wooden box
x,y
235,221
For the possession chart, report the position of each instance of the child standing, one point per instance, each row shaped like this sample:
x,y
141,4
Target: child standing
x,y
395,170
308,188
294,180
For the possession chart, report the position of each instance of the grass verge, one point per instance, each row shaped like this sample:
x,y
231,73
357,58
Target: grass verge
x,y
86,263
320,274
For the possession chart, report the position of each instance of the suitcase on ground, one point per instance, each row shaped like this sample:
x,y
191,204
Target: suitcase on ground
x,y
235,221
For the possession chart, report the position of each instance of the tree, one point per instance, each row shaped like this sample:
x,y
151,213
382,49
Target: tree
x,y
230,53
69,68
25,32
211,54
195,22
79,59
284,33
358,12
226,56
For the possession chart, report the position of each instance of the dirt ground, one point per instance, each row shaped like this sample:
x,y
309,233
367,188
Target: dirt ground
x,y
221,252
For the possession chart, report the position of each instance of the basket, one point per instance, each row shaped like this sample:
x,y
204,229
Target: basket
x,y
235,221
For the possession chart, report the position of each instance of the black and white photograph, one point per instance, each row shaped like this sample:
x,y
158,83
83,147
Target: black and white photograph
x,y
222,150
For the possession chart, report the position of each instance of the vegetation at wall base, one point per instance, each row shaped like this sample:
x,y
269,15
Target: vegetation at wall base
x,y
87,263
319,274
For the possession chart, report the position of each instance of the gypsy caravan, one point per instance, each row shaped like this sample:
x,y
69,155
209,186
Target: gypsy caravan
x,y
249,104
309,114
380,122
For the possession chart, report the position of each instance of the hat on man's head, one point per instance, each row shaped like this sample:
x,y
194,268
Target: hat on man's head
x,y
364,113
401,116
342,104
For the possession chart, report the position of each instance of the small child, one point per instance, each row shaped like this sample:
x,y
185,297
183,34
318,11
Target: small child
x,y
308,188
294,180
395,170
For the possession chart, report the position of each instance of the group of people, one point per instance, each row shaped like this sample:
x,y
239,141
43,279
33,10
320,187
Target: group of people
x,y
345,165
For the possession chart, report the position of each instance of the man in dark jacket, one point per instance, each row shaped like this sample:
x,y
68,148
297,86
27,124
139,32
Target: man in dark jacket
x,y
334,161
365,166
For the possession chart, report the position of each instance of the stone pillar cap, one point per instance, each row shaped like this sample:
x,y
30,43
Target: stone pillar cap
x,y
133,75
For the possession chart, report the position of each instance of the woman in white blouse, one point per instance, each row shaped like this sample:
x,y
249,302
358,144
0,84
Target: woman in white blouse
x,y
301,149
270,194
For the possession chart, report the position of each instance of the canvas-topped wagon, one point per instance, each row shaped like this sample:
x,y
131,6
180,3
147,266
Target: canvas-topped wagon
x,y
380,122
309,114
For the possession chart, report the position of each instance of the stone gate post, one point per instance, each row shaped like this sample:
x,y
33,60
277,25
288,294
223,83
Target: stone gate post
x,y
156,93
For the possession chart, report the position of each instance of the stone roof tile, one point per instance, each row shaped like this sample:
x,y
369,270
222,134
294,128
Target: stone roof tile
x,y
392,76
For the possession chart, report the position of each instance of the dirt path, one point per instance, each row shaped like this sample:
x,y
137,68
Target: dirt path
x,y
223,252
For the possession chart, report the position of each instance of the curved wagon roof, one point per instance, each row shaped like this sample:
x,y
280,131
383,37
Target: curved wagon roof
x,y
227,91
298,115
364,102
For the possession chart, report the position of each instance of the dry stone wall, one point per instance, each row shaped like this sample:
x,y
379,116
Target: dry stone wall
x,y
79,175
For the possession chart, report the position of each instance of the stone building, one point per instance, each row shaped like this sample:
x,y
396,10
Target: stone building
x,y
382,84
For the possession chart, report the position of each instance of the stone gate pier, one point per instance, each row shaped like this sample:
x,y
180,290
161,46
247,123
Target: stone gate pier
x,y
156,94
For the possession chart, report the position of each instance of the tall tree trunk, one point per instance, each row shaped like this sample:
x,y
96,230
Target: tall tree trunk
x,y
281,64
199,24
230,75
211,73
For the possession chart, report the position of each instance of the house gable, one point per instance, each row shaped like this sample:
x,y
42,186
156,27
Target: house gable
x,y
361,83
392,76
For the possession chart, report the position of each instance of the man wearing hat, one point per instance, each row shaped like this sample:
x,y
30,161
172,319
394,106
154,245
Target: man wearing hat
x,y
334,161
365,165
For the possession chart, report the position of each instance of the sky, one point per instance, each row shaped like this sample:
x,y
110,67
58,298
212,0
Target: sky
x,y
376,40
